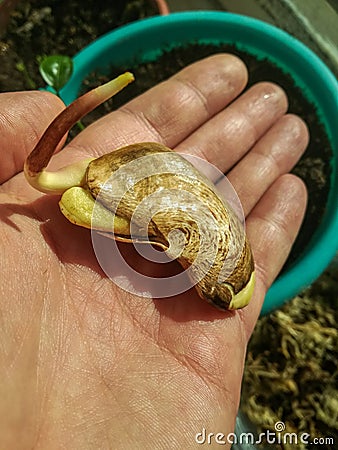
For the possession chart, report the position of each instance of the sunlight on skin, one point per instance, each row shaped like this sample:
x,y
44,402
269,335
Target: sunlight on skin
x,y
84,363
78,205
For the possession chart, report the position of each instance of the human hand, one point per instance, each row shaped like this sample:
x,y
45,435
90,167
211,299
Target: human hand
x,y
87,365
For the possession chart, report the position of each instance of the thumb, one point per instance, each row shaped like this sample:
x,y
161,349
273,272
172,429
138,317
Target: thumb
x,y
24,116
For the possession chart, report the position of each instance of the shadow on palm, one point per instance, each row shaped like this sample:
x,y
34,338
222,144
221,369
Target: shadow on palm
x,y
123,266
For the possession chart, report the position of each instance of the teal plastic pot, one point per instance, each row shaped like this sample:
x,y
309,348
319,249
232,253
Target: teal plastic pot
x,y
144,41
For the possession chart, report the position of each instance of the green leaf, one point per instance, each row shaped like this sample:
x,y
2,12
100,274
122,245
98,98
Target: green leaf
x,y
56,70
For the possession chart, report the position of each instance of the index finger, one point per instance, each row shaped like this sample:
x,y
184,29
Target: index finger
x,y
167,113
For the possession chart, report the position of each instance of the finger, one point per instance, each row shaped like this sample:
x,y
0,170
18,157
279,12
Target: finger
x,y
273,155
228,136
167,113
23,118
272,227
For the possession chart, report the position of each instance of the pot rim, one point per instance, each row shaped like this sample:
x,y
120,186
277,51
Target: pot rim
x,y
307,70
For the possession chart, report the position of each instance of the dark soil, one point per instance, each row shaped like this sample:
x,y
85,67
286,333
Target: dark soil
x,y
43,27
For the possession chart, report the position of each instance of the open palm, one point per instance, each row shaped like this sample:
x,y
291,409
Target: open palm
x,y
87,365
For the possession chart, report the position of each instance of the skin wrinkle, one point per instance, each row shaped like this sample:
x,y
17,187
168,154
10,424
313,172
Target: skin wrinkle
x,y
101,374
147,408
81,313
34,133
166,351
199,370
288,129
281,220
249,117
237,125
276,224
246,333
273,145
196,94
163,118
81,335
206,373
43,388
102,329
68,295
93,421
41,105
146,331
186,398
266,165
273,227
233,75
269,160
299,133
7,122
262,276
143,120
162,123
20,347
49,236
264,97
